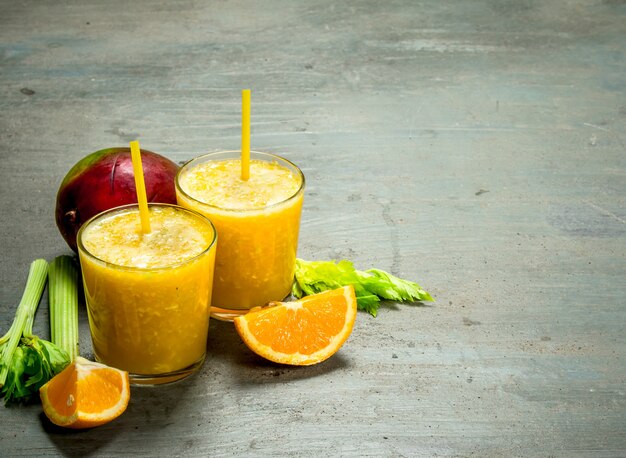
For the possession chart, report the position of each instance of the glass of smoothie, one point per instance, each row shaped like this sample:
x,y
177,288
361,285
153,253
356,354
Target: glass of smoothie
x,y
257,220
148,295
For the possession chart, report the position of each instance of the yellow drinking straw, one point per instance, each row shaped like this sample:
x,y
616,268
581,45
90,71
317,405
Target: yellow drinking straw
x,y
140,187
245,134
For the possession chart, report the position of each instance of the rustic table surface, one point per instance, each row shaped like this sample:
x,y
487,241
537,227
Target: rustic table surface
x,y
477,148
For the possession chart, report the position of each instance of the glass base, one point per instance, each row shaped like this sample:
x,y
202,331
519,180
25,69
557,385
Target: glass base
x,y
226,314
230,314
167,377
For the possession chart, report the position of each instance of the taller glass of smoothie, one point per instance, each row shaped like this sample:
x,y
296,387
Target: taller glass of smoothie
x,y
257,220
148,295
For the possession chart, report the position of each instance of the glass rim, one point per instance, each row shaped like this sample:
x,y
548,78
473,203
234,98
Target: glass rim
x,y
202,157
122,208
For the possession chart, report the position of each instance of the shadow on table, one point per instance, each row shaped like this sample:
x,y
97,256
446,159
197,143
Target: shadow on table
x,y
226,348
75,442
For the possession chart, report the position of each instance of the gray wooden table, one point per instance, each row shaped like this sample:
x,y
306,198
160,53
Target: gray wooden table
x,y
475,147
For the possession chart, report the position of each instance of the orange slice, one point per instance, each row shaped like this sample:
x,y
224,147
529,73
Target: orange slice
x,y
301,332
85,394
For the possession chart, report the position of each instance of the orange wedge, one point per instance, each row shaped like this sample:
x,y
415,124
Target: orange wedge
x,y
85,394
301,332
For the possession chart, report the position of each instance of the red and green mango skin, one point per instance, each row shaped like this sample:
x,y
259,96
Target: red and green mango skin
x,y
105,179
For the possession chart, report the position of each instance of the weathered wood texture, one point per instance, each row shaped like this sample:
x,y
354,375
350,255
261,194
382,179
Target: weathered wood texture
x,y
476,147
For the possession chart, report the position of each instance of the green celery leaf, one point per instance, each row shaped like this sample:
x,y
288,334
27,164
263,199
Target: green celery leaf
x,y
35,373
49,360
393,288
35,361
370,286
14,388
368,303
56,357
313,277
296,290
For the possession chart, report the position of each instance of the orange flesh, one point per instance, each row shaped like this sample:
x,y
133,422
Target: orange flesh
x,y
60,391
107,385
300,332
304,330
85,394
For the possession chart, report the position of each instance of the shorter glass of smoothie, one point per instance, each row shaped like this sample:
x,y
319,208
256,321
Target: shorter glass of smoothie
x,y
148,295
257,220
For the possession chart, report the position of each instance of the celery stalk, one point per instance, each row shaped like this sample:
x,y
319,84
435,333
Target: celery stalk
x,y
24,315
26,361
63,300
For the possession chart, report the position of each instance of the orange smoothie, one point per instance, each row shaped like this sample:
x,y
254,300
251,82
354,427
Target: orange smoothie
x,y
148,295
257,220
